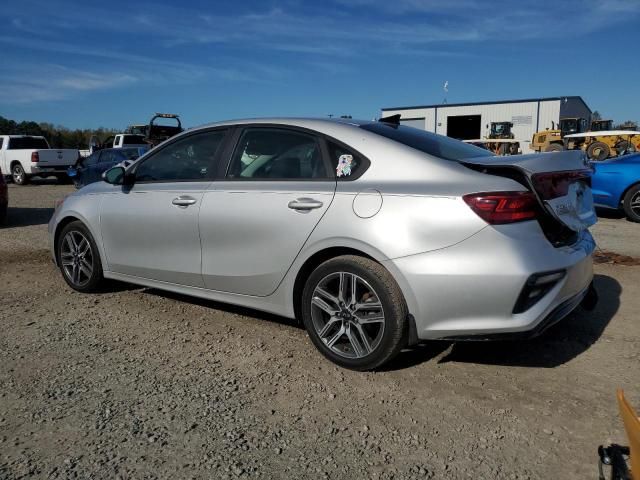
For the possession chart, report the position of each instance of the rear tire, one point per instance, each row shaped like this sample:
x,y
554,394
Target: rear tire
x,y
78,258
554,147
18,174
598,151
358,331
631,204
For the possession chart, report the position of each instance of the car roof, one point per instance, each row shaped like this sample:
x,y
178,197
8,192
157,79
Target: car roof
x,y
305,122
23,136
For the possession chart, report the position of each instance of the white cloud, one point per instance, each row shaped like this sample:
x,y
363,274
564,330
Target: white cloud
x,y
24,84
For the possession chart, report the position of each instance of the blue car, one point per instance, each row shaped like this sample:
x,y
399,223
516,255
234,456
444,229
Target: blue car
x,y
89,170
616,184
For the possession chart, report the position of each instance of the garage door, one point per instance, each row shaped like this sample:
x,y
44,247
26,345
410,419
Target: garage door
x,y
413,122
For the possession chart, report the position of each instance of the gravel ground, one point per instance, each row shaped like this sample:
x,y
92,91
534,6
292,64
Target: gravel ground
x,y
137,383
615,233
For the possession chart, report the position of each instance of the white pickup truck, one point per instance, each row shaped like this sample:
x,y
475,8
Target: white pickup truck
x,y
121,140
24,156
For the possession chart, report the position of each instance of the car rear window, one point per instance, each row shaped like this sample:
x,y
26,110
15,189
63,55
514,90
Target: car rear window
x,y
133,140
427,142
27,143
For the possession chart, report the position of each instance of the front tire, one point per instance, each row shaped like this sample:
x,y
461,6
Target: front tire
x,y
554,147
631,204
78,258
18,175
354,312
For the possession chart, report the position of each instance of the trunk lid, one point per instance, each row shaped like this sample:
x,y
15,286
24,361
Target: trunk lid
x,y
561,182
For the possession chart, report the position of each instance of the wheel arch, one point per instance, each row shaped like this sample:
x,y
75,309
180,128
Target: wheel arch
x,y
66,220
311,263
327,253
56,234
624,193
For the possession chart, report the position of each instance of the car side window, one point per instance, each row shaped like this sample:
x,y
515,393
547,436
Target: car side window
x,y
189,158
92,159
107,157
272,153
346,162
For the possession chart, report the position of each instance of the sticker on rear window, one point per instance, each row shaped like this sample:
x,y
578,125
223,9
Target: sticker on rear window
x,y
344,165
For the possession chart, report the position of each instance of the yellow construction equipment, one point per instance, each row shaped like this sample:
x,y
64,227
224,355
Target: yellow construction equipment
x,y
600,142
501,140
603,142
552,140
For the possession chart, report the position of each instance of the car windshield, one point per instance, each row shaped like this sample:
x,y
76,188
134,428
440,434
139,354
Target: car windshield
x,y
28,143
427,142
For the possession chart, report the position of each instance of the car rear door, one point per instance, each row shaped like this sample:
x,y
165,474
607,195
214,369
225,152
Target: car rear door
x,y
255,220
150,229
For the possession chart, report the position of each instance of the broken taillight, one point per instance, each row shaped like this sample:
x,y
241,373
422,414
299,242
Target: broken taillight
x,y
556,184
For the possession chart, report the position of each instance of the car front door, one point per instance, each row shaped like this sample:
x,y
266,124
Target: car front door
x,y
150,229
255,220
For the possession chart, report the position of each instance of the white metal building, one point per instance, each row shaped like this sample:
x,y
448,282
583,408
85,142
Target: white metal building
x,y
469,121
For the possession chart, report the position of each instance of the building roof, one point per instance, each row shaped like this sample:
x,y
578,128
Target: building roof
x,y
524,100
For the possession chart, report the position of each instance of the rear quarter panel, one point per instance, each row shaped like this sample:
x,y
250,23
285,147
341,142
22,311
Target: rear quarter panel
x,y
613,178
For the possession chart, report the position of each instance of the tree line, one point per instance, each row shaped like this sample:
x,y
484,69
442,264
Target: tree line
x,y
57,135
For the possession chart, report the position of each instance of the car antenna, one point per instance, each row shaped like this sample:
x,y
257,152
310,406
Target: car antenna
x,y
391,119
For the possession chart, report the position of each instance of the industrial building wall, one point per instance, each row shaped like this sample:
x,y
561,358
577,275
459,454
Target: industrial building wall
x,y
574,108
549,114
525,116
418,117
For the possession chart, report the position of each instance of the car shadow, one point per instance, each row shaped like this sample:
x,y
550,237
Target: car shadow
x,y
226,307
24,217
560,344
609,213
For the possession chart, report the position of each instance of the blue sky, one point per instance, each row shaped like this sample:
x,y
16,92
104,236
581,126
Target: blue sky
x,y
87,64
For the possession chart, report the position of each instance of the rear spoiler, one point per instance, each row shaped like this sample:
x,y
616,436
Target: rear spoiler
x,y
391,119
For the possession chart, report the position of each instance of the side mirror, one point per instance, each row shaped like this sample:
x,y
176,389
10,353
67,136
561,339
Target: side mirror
x,y
114,176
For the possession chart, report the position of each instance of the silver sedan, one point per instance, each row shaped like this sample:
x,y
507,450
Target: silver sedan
x,y
374,235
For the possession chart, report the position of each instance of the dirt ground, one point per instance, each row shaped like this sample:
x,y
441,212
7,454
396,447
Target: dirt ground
x,y
137,383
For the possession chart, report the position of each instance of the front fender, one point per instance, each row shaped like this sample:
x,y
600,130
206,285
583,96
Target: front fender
x,y
85,208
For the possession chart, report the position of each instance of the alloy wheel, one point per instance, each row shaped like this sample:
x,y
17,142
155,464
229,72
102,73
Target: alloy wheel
x,y
76,258
635,203
347,315
18,175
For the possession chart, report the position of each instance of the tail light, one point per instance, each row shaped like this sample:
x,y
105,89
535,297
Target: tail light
x,y
35,157
556,184
503,207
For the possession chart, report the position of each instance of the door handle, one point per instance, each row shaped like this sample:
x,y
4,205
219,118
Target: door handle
x,y
304,204
184,201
